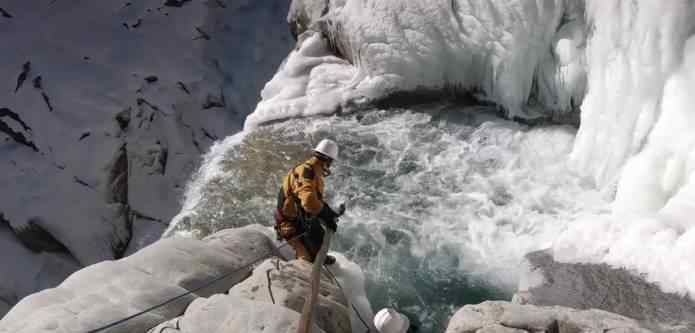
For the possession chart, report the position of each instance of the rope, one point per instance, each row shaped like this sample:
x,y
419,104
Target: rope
x,y
173,299
353,305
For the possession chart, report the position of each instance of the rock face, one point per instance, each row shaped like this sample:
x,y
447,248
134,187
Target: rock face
x,y
97,151
271,300
224,314
587,286
112,290
505,317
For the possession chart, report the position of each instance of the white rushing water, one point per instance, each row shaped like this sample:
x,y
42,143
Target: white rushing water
x,y
444,197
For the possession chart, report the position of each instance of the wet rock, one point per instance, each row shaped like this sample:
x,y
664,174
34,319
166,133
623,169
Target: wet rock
x,y
587,286
505,317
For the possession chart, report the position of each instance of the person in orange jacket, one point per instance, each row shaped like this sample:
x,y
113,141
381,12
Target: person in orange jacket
x,y
300,205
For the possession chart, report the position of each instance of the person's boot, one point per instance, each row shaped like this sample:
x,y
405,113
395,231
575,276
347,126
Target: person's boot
x,y
330,260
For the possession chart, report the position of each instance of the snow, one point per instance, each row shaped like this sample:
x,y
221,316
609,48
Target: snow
x,y
97,62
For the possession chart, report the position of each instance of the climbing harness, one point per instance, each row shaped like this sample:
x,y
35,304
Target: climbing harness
x,y
173,299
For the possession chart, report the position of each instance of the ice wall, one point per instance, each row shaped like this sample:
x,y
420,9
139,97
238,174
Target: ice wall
x,y
637,133
524,55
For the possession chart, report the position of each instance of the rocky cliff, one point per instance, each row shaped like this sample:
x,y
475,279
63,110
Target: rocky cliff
x,y
105,109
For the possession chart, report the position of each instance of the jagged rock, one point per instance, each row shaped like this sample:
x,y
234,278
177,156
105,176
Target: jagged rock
x,y
288,284
112,290
587,286
224,314
503,317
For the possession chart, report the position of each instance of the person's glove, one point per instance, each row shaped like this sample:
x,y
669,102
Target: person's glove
x,y
328,216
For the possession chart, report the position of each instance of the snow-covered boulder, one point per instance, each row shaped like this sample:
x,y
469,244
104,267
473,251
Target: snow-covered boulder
x,y
224,314
505,317
112,290
599,286
273,297
105,108
288,284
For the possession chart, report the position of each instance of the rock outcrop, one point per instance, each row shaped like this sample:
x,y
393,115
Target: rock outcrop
x,y
505,317
599,286
271,300
101,146
112,290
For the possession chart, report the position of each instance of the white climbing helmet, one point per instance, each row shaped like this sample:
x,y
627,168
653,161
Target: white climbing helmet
x,y
390,321
327,148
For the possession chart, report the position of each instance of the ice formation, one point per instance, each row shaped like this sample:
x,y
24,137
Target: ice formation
x,y
524,55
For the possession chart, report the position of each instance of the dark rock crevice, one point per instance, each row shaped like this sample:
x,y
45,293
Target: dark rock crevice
x,y
18,137
34,237
5,14
26,69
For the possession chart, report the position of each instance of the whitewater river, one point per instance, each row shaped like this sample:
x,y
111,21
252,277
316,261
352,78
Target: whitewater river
x,y
443,201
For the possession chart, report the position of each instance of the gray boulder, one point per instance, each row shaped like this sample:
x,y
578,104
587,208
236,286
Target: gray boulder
x,y
111,290
506,317
270,300
224,313
587,286
288,284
